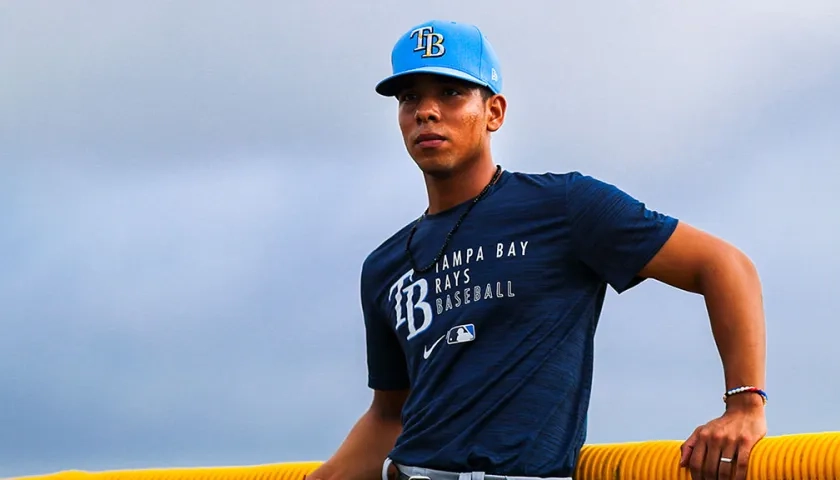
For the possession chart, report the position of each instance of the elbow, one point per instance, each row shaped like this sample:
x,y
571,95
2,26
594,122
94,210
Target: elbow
x,y
728,265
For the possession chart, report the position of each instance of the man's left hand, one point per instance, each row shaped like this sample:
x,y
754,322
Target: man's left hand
x,y
730,436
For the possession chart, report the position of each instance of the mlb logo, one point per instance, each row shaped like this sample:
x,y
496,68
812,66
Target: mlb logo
x,y
461,334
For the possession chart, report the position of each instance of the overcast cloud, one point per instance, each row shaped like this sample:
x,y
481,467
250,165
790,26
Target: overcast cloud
x,y
189,189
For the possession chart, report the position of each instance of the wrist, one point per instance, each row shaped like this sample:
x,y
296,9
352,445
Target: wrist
x,y
745,399
745,402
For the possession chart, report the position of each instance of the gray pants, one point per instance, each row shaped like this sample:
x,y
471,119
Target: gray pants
x,y
417,473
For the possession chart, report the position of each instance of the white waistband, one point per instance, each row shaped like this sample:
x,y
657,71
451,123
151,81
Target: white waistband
x,y
431,474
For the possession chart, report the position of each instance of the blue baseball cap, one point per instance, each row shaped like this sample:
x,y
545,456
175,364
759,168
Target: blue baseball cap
x,y
451,49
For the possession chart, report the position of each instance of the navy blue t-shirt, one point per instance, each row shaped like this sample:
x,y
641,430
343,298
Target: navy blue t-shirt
x,y
496,341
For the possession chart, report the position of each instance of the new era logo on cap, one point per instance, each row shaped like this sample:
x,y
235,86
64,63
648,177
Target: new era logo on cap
x,y
457,50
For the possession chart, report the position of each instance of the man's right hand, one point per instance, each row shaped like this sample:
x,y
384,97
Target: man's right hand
x,y
363,452
323,472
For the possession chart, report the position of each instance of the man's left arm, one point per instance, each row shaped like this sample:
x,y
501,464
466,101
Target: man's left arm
x,y
624,242
698,262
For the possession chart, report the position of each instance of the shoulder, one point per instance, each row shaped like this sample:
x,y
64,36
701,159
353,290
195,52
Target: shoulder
x,y
557,181
581,186
562,188
385,256
545,186
577,190
548,179
541,195
588,203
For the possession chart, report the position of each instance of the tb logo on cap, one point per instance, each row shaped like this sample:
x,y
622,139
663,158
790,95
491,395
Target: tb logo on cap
x,y
429,42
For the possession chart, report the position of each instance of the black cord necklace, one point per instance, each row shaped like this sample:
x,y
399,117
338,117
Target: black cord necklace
x,y
451,232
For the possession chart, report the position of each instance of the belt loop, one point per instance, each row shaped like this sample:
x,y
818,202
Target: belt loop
x,y
385,466
476,476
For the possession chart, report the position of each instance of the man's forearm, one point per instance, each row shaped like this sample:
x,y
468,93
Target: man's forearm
x,y
732,291
361,455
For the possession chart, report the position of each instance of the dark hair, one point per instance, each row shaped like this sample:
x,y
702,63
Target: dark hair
x,y
486,93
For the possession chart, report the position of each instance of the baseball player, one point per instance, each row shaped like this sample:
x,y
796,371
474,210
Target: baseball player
x,y
480,313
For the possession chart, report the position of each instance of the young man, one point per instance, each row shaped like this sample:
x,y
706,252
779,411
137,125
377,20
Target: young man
x,y
480,315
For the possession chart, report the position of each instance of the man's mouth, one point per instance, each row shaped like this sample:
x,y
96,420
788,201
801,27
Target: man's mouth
x,y
429,140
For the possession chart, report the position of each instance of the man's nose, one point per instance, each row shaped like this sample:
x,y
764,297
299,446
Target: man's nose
x,y
427,110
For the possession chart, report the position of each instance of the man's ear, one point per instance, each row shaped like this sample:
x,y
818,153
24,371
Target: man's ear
x,y
496,108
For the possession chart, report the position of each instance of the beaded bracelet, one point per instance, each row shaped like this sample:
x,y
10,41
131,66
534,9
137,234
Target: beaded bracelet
x,y
747,389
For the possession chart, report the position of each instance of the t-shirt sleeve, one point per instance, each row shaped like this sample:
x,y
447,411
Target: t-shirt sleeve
x,y
386,363
613,233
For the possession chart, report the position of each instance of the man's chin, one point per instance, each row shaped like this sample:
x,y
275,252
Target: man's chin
x,y
436,168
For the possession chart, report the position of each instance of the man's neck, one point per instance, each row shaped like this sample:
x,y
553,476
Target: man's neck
x,y
447,192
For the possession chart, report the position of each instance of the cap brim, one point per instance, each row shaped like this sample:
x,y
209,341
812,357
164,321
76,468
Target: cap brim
x,y
389,86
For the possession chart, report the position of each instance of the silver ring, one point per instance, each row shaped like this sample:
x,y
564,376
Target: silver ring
x,y
725,460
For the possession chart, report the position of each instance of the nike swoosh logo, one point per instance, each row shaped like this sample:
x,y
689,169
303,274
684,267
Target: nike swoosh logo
x,y
428,350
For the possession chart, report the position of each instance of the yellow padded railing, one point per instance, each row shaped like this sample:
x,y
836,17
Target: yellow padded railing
x,y
809,456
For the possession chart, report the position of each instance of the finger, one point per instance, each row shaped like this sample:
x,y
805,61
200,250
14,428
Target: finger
x,y
687,447
711,464
742,462
695,463
685,453
725,468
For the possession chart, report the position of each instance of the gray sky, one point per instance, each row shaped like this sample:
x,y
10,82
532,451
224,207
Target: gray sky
x,y
189,189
